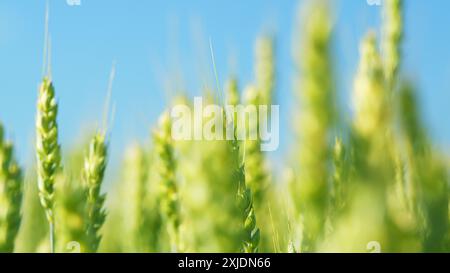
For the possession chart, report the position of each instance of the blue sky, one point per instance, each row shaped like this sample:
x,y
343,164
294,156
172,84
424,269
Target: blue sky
x,y
165,44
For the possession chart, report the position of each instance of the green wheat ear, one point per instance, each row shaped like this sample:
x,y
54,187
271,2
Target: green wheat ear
x,y
265,68
316,93
428,184
251,233
93,175
48,150
136,169
11,187
340,176
392,39
256,175
166,168
245,202
369,97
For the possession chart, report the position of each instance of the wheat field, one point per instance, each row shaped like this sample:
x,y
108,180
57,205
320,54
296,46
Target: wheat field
x,y
372,182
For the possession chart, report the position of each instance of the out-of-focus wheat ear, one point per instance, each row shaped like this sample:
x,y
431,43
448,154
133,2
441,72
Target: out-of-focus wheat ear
x,y
265,68
410,121
315,89
232,99
428,183
232,92
70,211
135,189
255,173
48,150
340,176
414,139
11,187
93,174
166,168
369,96
392,39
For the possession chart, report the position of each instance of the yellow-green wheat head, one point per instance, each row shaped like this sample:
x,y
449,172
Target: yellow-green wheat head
x,y
47,146
166,168
93,174
11,185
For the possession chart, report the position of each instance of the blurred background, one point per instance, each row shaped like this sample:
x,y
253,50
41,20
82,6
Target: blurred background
x,y
162,47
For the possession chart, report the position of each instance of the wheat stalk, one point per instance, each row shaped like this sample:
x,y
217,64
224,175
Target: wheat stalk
x,y
48,150
93,175
11,181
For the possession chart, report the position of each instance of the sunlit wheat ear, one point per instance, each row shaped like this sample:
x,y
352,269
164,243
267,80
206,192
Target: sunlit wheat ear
x,y
11,187
392,39
47,149
93,175
316,93
265,68
166,168
369,98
